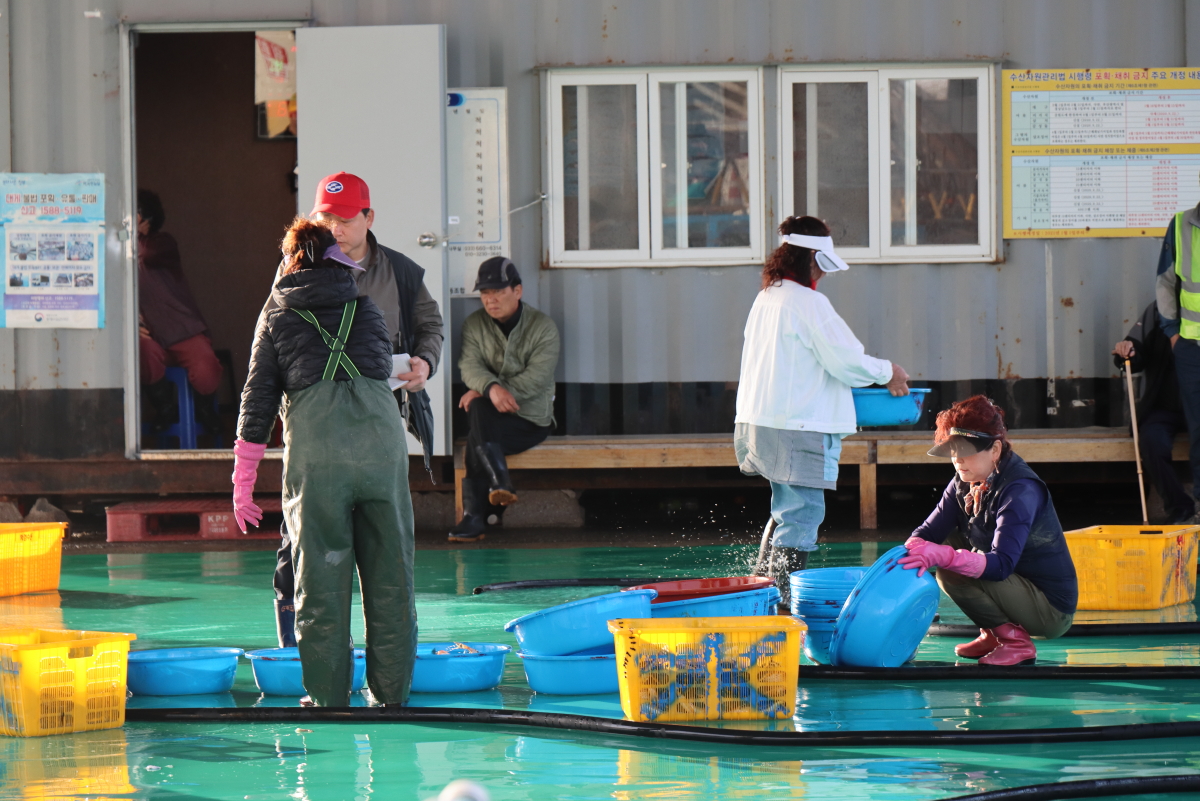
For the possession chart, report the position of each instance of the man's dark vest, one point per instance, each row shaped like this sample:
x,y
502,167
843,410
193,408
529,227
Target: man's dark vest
x,y
415,407
408,282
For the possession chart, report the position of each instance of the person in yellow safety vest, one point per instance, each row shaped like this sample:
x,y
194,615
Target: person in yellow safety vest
x,y
1177,295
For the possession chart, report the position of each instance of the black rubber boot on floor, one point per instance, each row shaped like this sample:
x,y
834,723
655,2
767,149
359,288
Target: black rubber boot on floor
x,y
785,562
285,623
500,489
473,524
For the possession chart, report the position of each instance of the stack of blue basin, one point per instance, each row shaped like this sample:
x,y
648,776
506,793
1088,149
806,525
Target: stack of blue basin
x,y
568,649
817,598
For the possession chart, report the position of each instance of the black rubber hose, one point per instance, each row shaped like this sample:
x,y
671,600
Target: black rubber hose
x,y
530,584
1092,788
662,731
973,672
1084,629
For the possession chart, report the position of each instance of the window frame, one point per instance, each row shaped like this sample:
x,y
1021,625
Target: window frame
x,y
559,255
651,252
881,250
751,254
788,79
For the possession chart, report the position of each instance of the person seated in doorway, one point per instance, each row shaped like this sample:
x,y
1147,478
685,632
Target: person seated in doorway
x,y
171,328
1159,410
995,539
509,353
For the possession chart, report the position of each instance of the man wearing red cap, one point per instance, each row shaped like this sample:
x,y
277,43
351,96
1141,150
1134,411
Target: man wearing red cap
x,y
396,285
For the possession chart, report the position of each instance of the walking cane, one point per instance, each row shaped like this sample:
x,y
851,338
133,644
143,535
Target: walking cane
x,y
1137,450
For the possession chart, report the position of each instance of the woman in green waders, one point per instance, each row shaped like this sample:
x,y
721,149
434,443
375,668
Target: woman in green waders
x,y
321,361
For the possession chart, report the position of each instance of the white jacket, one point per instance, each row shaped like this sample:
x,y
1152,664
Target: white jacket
x,y
798,364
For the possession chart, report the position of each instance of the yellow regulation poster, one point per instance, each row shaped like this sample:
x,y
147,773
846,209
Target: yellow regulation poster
x,y
1098,152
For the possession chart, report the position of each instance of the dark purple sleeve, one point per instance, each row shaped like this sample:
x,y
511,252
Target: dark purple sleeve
x,y
1019,505
942,520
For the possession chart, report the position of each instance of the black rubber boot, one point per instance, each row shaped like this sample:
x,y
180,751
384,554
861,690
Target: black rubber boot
x,y
473,524
785,562
206,412
500,490
163,400
285,623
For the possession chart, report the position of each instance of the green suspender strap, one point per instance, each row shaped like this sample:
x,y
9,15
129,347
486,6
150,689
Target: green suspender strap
x,y
337,345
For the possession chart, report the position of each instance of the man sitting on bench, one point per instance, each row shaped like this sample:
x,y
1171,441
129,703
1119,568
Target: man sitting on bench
x,y
509,352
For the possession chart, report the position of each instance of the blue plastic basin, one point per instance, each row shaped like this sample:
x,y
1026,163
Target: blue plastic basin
x,y
458,671
886,617
877,407
827,577
577,674
735,604
817,639
829,610
821,593
277,671
576,626
182,671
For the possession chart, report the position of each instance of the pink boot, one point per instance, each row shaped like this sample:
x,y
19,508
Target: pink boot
x,y
982,645
1015,647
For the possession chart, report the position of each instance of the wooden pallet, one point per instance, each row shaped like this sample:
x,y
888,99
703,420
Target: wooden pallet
x,y
171,520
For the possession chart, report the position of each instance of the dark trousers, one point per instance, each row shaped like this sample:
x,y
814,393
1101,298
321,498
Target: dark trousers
x,y
1157,434
1187,372
487,424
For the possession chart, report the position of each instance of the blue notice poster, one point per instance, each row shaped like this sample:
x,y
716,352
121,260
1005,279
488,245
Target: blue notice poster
x,y
53,250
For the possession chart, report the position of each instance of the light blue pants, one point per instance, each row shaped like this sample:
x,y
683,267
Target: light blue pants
x,y
797,512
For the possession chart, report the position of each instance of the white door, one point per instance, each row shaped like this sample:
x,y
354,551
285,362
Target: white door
x,y
370,101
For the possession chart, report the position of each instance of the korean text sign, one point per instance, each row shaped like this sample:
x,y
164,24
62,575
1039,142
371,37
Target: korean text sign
x,y
53,250
1099,152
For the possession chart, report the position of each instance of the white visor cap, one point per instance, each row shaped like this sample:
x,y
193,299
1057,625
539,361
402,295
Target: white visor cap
x,y
827,260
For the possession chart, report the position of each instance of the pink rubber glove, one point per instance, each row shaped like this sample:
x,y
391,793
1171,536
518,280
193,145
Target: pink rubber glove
x,y
246,456
923,554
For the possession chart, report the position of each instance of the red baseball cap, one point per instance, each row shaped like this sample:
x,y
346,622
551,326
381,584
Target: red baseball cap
x,y
342,194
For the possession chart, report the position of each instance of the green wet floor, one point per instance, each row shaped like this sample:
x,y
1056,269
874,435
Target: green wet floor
x,y
225,599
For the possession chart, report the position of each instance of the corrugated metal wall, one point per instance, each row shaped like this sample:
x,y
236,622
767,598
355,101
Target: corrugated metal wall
x,y
943,322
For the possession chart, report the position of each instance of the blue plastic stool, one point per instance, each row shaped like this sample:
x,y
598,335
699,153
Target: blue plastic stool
x,y
185,427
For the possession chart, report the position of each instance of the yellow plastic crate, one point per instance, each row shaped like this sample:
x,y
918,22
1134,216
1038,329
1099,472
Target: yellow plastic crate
x,y
30,557
60,682
1134,567
708,668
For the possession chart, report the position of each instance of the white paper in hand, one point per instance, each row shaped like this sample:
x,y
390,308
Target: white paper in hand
x,y
400,364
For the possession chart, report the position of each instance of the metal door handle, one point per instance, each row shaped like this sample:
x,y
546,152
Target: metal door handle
x,y
427,239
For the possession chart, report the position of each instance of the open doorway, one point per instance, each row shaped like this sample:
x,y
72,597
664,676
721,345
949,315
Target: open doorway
x,y
215,141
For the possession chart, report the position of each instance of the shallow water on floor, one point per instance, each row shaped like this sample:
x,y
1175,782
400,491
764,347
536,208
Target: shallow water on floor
x,y
226,599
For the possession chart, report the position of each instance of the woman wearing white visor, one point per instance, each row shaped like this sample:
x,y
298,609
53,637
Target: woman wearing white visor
x,y
799,361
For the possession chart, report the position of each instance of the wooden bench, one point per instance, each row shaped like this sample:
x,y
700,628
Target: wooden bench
x,y
868,450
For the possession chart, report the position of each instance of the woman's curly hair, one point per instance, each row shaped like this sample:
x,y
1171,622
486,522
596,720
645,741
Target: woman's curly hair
x,y
789,261
976,413
304,245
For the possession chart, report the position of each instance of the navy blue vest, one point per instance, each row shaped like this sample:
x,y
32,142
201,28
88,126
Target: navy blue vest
x,y
1045,561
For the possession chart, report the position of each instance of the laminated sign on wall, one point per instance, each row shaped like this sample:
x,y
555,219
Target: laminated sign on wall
x,y
1099,152
53,250
476,183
